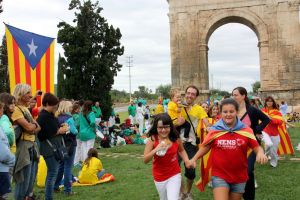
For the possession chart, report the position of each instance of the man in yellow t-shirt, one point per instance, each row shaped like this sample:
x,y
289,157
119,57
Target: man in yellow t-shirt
x,y
23,112
196,113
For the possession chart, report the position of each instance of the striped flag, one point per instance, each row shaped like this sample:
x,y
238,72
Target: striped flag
x,y
285,145
30,60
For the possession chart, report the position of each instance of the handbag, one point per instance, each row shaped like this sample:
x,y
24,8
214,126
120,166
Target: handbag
x,y
61,152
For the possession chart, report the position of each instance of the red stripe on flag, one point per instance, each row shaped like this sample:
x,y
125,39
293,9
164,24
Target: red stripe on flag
x,y
38,82
48,70
28,74
282,144
16,61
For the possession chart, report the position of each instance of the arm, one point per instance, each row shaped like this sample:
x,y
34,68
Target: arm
x,y
72,126
29,127
150,151
92,118
265,120
260,156
201,152
206,122
182,153
276,121
6,157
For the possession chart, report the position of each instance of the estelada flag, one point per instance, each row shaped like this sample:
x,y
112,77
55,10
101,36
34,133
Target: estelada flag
x,y
30,59
285,146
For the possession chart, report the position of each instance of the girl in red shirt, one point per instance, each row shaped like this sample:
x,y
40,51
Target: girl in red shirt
x,y
163,146
276,120
229,140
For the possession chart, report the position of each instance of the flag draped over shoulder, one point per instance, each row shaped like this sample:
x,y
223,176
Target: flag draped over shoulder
x,y
285,145
206,161
30,60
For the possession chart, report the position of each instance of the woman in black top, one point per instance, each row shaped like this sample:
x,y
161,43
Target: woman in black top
x,y
50,134
257,120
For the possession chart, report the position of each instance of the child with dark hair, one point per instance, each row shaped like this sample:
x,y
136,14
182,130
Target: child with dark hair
x,y
163,146
229,140
92,169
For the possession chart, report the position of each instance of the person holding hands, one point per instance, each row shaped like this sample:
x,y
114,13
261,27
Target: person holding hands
x,y
229,140
163,147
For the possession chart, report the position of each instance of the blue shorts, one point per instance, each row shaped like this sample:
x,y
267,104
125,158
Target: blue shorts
x,y
236,188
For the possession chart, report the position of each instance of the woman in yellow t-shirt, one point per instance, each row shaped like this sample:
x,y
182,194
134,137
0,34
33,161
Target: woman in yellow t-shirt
x,y
92,169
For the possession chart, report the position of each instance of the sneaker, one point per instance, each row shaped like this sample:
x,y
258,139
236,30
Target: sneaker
x,y
255,184
70,193
57,190
209,184
182,196
188,196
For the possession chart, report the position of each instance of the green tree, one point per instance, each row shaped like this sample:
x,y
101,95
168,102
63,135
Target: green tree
x,y
1,6
60,76
163,90
91,51
255,87
119,96
4,80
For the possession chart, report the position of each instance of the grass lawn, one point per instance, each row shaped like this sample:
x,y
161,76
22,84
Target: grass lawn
x,y
133,178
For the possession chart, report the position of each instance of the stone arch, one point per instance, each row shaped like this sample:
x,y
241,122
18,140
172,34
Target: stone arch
x,y
276,24
235,16
246,18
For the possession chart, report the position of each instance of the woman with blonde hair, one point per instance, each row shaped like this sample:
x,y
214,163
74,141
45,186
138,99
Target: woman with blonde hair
x,y
27,154
65,167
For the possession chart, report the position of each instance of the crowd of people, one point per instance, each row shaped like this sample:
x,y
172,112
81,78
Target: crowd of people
x,y
61,131
224,132
64,133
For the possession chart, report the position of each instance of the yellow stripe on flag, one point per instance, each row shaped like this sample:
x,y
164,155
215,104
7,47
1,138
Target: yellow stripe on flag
x,y
22,67
43,73
11,66
52,67
33,80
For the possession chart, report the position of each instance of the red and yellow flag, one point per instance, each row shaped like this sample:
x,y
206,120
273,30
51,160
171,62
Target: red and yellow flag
x,y
285,145
30,60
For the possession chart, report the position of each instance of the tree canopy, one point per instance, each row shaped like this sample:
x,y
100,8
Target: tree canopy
x,y
91,51
4,80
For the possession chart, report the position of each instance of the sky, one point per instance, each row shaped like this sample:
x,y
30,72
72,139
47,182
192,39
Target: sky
x,y
233,53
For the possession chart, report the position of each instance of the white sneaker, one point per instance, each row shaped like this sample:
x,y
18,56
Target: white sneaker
x,y
255,184
189,196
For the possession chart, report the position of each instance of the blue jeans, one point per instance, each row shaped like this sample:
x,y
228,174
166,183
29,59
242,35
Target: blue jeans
x,y
236,188
52,170
25,188
65,169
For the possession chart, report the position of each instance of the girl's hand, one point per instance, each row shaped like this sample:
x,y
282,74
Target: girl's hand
x,y
160,146
261,158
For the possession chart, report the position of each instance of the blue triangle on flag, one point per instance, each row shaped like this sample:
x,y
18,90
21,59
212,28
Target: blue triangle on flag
x,y
32,45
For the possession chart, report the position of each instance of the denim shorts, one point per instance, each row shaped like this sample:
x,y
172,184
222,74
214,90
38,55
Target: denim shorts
x,y
236,188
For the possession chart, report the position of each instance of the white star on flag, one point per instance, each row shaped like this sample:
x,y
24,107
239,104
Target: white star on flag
x,y
32,48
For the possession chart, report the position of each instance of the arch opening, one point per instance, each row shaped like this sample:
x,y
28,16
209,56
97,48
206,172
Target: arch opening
x,y
233,56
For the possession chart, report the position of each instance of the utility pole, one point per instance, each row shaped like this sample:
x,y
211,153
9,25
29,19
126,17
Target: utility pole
x,y
129,65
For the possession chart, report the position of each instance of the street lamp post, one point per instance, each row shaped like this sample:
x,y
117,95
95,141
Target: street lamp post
x,y
129,65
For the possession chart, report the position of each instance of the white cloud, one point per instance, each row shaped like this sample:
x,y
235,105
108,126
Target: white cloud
x,y
145,28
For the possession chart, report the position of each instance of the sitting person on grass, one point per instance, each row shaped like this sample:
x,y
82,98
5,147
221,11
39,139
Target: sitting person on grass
x,y
92,169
